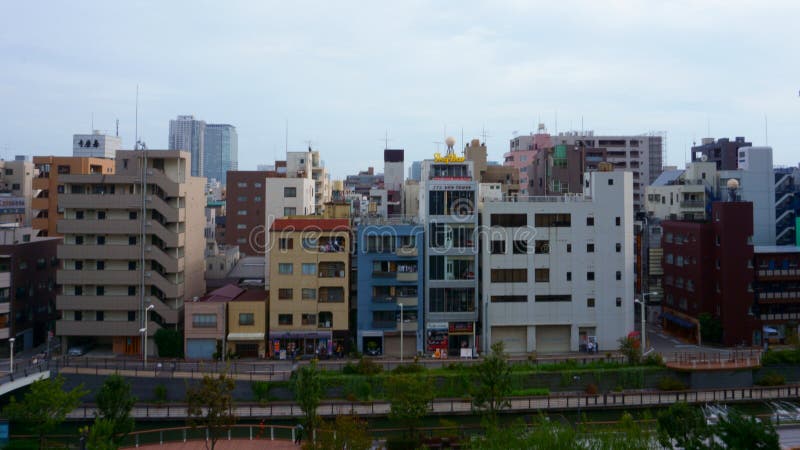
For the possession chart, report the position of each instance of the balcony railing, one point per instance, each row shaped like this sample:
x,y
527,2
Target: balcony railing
x,y
693,204
385,324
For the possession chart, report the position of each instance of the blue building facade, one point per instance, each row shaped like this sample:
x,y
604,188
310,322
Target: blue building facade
x,y
390,274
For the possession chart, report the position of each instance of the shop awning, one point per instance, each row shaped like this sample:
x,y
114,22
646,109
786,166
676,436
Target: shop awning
x,y
300,335
683,323
245,336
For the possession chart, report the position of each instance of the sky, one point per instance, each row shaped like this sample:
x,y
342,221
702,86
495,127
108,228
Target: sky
x,y
344,75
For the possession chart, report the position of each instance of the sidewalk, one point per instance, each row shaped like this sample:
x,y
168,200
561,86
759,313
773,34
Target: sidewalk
x,y
235,444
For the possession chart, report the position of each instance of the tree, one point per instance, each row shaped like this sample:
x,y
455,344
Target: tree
x,y
102,436
493,387
348,432
710,328
631,349
169,343
114,404
307,387
683,425
410,397
736,430
210,405
44,406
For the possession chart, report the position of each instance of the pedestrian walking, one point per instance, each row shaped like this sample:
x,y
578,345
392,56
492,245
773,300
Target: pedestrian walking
x,y
298,435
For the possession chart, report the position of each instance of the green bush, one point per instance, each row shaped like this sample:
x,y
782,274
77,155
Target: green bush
x,y
365,366
169,343
654,359
592,389
358,389
402,443
631,379
771,379
409,368
774,357
260,391
160,394
671,384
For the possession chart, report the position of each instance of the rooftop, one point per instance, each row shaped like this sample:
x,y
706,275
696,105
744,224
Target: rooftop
x,y
667,177
310,224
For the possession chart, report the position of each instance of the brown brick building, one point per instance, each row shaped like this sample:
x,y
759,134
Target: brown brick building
x,y
246,192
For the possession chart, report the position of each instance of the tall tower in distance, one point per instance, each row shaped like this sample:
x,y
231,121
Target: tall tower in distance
x,y
188,134
221,151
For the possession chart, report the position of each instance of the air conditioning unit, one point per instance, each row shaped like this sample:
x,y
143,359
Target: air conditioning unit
x,y
148,274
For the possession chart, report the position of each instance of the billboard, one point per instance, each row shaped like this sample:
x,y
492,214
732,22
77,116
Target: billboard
x,y
12,205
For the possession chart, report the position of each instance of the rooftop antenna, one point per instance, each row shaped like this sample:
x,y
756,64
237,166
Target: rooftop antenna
x,y
438,143
386,140
484,134
117,133
308,143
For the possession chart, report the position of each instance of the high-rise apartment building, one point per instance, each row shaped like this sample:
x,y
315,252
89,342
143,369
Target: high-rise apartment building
x,y
448,209
246,203
558,270
221,151
188,134
16,190
48,186
127,248
522,150
309,268
723,152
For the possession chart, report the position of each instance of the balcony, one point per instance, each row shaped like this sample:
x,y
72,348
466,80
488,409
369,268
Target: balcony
x,y
408,326
409,301
102,328
129,227
779,297
384,324
693,204
98,302
778,274
406,251
407,276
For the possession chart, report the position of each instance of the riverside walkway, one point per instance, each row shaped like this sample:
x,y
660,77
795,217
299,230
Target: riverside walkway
x,y
622,400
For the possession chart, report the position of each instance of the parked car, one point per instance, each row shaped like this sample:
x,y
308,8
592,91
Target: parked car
x,y
79,350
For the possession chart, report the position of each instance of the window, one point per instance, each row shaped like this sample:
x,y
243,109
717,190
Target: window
x,y
310,243
101,265
285,294
289,192
308,294
553,298
619,302
289,211
241,226
618,247
78,240
204,320
610,181
284,319
99,316
241,198
285,268
569,248
247,319
590,276
9,172
79,215
241,212
78,265
520,247
618,221
553,220
590,221
716,239
542,247
619,275
100,290
509,298
569,276
241,184
257,185
131,240
131,316
542,275
257,198
590,303
589,248
498,247
101,240
309,269
78,316
131,265
131,290
509,275
285,243
101,215
509,220
132,215
309,319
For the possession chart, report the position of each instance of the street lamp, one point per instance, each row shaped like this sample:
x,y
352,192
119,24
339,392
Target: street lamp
x,y
401,333
11,362
144,332
642,304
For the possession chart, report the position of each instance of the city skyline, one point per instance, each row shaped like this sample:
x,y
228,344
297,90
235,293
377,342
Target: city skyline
x,y
691,70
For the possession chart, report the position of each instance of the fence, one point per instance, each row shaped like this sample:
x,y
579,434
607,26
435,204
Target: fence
x,y
457,406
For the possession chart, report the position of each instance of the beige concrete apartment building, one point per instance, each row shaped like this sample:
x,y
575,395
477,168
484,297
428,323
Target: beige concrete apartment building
x,y
131,256
247,324
16,190
48,185
309,266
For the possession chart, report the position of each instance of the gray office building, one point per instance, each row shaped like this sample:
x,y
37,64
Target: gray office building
x,y
221,151
188,134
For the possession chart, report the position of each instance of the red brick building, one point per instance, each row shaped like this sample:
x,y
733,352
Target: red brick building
x,y
246,192
708,268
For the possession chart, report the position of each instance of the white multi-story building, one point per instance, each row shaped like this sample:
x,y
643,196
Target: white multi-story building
x,y
95,145
448,209
558,270
309,165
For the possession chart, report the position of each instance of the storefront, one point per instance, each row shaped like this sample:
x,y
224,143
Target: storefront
x,y
289,345
461,337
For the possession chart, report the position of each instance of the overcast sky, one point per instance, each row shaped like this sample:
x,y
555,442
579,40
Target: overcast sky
x,y
343,73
